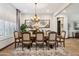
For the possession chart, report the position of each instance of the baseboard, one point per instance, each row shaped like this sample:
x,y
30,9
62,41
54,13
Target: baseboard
x,y
6,46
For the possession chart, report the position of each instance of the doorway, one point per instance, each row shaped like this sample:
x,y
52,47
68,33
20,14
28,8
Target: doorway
x,y
60,24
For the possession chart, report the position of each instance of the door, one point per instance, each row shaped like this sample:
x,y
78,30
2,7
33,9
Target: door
x,y
58,27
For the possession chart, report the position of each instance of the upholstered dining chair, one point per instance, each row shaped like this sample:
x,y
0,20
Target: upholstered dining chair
x,y
17,39
32,35
26,39
39,39
52,39
61,38
47,32
20,37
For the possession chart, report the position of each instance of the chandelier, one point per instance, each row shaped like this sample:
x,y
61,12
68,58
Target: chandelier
x,y
35,18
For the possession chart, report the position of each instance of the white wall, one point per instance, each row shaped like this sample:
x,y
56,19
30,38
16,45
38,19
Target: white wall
x,y
7,12
69,21
72,18
53,22
72,12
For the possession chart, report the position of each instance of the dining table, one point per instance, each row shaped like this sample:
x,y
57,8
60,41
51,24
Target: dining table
x,y
33,38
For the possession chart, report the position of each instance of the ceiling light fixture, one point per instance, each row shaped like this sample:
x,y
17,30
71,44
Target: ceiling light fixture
x,y
35,18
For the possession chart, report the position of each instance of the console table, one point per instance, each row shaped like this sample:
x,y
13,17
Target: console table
x,y
77,35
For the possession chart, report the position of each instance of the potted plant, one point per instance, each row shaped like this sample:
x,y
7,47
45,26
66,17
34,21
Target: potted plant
x,y
23,28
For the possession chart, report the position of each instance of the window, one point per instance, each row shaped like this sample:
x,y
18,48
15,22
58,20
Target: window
x,y
1,28
6,29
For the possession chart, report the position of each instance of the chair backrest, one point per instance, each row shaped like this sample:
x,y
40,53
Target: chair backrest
x,y
16,34
63,34
47,32
31,33
39,36
20,34
38,30
26,36
41,30
52,36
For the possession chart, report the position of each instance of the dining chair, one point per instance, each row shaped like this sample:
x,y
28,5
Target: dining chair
x,y
26,41
47,32
32,35
39,39
61,38
52,39
20,36
17,38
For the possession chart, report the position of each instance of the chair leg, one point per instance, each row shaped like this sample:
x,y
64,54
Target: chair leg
x,y
36,46
48,46
43,46
22,47
63,44
55,46
15,44
30,46
18,43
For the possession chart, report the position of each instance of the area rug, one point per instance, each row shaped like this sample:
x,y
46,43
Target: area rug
x,y
60,51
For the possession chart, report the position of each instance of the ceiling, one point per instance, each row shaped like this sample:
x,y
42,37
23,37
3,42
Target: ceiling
x,y
72,9
29,8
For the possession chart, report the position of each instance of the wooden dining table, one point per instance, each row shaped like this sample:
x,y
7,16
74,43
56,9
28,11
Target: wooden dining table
x,y
33,38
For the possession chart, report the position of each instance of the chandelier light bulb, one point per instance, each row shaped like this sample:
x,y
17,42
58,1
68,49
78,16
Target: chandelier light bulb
x,y
35,18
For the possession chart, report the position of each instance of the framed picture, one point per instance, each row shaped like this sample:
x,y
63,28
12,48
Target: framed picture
x,y
43,23
76,25
28,23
